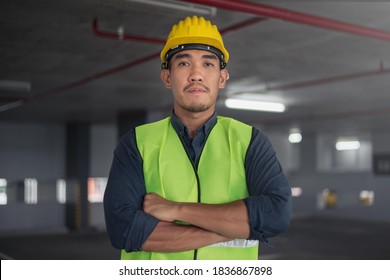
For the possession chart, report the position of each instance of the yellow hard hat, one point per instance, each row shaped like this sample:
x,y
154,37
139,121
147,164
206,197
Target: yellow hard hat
x,y
194,33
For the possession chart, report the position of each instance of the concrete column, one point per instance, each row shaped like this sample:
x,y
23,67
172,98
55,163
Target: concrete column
x,y
129,119
308,153
77,173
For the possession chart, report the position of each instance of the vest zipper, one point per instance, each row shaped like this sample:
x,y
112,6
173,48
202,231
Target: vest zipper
x,y
196,170
197,180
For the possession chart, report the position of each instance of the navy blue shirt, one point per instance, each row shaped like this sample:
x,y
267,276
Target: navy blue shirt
x,y
268,204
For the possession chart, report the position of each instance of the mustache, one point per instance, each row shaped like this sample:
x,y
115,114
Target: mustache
x,y
197,85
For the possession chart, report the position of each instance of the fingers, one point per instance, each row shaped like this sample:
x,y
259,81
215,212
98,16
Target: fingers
x,y
150,199
159,207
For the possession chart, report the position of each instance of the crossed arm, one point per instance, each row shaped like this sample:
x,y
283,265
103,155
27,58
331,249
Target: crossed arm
x,y
209,223
131,217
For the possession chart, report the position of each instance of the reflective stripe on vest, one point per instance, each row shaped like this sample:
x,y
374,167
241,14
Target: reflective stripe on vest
x,y
237,243
220,178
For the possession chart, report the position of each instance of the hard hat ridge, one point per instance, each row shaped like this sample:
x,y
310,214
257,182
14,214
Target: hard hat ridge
x,y
194,33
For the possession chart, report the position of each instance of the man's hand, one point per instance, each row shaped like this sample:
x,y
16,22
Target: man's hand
x,y
159,207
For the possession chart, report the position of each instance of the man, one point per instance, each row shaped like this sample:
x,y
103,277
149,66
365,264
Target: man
x,y
195,185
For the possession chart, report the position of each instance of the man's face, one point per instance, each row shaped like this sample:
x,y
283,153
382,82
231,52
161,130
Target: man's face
x,y
195,78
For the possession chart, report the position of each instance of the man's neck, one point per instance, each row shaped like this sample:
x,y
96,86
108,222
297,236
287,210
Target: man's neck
x,y
193,120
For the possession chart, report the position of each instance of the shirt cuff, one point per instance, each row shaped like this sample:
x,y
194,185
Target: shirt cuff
x,y
141,228
255,219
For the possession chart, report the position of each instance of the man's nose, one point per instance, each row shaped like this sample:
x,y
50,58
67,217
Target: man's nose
x,y
196,74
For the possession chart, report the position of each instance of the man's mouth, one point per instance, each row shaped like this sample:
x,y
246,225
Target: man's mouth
x,y
191,88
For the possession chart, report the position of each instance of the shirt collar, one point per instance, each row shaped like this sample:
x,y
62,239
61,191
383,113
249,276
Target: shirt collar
x,y
180,127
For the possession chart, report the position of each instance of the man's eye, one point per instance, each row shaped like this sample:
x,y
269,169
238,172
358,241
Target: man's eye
x,y
183,63
209,64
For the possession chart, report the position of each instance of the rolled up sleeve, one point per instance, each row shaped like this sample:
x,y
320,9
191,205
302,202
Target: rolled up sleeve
x,y
269,201
127,225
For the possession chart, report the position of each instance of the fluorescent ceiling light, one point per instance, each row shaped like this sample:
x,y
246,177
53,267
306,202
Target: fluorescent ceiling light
x,y
243,104
295,137
3,182
180,6
296,191
343,145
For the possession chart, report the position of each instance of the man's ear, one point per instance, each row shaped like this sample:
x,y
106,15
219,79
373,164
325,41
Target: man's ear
x,y
166,78
224,76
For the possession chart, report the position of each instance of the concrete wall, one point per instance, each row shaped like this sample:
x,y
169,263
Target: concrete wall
x,y
35,150
25,217
319,167
32,150
103,142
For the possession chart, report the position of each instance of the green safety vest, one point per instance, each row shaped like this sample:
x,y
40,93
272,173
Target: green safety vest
x,y
219,178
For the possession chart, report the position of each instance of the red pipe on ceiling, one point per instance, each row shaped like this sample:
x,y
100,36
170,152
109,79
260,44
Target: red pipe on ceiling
x,y
117,36
108,72
96,76
332,79
284,14
78,83
317,82
130,37
242,24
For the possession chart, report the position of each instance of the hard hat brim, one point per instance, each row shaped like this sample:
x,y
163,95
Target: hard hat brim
x,y
171,52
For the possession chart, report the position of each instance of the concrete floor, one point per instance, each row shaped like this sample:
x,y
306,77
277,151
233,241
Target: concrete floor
x,y
309,238
319,238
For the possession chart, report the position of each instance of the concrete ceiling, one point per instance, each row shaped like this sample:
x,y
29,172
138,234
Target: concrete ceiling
x,y
328,79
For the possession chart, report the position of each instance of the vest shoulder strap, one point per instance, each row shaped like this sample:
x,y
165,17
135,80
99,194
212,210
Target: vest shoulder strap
x,y
234,124
151,133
